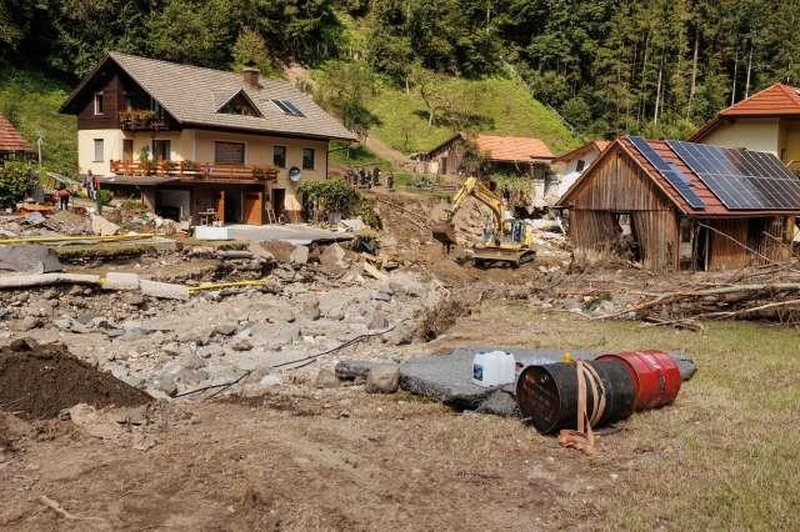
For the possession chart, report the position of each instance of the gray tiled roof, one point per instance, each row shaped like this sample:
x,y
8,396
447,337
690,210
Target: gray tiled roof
x,y
193,94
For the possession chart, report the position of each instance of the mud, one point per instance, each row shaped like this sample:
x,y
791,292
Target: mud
x,y
38,382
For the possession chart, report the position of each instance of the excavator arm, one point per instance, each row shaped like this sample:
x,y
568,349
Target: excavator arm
x,y
444,231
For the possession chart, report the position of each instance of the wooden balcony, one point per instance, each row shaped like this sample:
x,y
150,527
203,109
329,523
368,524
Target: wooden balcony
x,y
189,171
142,120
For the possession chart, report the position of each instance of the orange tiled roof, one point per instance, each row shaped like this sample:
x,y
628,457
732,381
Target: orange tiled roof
x,y
513,149
778,99
599,145
10,139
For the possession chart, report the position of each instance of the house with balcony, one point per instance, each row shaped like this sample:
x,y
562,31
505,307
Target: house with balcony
x,y
767,121
200,144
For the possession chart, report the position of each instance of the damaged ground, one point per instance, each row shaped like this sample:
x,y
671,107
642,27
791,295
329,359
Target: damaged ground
x,y
251,428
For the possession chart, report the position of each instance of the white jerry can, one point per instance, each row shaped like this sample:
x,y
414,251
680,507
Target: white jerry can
x,y
493,368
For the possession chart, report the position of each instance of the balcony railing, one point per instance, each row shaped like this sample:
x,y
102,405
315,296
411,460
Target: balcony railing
x,y
194,171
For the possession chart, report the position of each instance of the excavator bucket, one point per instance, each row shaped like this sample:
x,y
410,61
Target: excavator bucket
x,y
444,232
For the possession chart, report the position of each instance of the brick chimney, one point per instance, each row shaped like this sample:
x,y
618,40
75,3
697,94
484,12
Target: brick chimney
x,y
251,76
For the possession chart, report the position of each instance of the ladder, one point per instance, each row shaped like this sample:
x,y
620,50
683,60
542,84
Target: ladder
x,y
271,218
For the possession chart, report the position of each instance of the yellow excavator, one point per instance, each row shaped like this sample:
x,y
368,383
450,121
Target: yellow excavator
x,y
508,241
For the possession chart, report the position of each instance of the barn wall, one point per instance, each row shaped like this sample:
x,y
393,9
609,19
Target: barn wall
x,y
764,238
617,185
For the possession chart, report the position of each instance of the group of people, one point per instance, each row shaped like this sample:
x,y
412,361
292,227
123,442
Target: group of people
x,y
63,194
361,178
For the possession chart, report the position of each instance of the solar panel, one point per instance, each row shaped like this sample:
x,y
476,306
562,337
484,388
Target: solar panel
x,y
671,173
741,179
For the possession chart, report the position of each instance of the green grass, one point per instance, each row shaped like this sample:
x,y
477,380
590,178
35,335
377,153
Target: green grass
x,y
31,101
355,155
501,106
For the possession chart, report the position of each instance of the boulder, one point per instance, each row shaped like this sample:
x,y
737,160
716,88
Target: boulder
x,y
310,309
383,378
242,344
28,259
378,321
102,227
349,370
333,257
299,255
326,378
224,329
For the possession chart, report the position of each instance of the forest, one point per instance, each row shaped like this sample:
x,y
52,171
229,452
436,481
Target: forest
x,y
658,67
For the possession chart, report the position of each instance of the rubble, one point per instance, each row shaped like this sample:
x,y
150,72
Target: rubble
x,y
28,259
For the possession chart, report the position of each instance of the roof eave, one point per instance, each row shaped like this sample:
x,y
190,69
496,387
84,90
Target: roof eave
x,y
266,131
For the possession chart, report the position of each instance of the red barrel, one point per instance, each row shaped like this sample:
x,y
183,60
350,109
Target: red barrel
x,y
655,374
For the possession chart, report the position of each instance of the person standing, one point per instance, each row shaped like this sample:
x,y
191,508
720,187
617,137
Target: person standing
x,y
63,194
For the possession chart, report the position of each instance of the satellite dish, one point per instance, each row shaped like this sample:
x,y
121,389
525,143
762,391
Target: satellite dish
x,y
294,174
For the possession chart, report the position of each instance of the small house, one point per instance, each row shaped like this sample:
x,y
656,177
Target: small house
x,y
569,166
11,142
201,144
767,121
681,205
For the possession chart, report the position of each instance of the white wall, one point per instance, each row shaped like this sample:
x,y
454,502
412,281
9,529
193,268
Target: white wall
x,y
753,134
112,139
569,171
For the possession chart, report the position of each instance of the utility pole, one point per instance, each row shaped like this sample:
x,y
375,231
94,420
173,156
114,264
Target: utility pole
x,y
39,143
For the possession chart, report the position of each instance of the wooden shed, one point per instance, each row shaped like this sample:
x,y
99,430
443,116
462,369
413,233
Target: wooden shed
x,y
678,205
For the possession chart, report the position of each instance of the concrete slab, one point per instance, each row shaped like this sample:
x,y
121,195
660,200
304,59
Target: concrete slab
x,y
297,234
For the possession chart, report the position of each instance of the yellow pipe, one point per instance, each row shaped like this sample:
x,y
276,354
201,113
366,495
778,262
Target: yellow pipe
x,y
112,238
232,284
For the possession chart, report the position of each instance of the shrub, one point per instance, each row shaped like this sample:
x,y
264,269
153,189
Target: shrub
x,y
16,181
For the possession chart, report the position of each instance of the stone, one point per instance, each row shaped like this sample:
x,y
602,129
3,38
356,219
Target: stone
x,y
378,321
333,257
310,309
335,314
212,350
28,259
299,255
171,349
500,403
29,323
382,296
326,378
242,344
383,378
224,329
348,370
23,345
65,323
259,382
102,227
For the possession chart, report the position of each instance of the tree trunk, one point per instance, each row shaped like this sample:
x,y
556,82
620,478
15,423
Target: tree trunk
x,y
693,88
658,88
749,70
735,73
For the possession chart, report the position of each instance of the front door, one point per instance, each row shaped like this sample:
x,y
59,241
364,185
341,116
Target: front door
x,y
252,207
127,150
278,203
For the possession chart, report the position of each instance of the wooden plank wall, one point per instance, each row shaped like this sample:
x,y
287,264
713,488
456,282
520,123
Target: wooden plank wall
x,y
657,232
764,236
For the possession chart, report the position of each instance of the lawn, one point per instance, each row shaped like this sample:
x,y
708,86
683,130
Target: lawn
x,y
726,455
501,106
31,101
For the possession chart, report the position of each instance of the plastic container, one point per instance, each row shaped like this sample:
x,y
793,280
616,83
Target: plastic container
x,y
493,368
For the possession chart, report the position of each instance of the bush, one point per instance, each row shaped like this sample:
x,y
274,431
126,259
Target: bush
x,y
16,181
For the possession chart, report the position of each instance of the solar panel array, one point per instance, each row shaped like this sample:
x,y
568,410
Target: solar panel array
x,y
742,179
670,172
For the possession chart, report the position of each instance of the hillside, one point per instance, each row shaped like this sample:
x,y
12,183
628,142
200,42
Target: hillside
x,y
497,105
31,102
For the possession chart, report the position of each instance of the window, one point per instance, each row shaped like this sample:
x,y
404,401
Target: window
x,y
288,108
580,166
240,104
308,158
229,152
98,103
99,150
279,156
161,150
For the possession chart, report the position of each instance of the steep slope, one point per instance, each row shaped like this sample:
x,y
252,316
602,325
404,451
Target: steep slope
x,y
496,105
31,101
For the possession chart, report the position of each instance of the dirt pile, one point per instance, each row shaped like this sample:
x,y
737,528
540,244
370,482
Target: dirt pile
x,y
40,381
